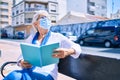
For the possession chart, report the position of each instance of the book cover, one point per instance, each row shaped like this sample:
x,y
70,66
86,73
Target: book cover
x,y
39,55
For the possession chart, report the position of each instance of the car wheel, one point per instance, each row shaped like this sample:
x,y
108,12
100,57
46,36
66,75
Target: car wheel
x,y
107,44
81,42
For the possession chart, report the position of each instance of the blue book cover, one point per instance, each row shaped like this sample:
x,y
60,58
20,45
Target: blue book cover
x,y
39,55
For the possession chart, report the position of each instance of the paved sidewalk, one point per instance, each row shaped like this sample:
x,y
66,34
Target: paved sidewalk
x,y
10,51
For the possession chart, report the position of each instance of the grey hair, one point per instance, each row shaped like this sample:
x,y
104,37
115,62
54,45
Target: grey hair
x,y
38,14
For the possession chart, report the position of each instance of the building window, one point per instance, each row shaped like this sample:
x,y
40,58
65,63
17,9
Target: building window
x,y
53,8
39,6
13,14
4,10
17,12
6,23
21,8
17,22
103,15
103,7
4,16
91,12
28,20
29,5
92,3
53,19
4,3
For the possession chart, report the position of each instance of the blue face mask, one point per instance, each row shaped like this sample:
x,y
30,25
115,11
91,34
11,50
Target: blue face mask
x,y
45,23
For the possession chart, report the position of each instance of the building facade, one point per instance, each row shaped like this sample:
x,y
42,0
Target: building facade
x,y
5,13
116,15
23,12
93,7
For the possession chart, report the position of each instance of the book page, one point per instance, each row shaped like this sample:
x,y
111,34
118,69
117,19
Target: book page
x,y
46,54
31,54
39,55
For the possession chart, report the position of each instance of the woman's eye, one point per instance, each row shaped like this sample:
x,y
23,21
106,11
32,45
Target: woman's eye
x,y
43,17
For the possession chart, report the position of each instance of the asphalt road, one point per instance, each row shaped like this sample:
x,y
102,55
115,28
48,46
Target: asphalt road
x,y
101,51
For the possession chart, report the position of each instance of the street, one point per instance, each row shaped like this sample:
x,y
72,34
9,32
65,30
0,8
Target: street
x,y
101,51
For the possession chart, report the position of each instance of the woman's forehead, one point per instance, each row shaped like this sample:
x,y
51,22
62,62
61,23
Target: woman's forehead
x,y
41,15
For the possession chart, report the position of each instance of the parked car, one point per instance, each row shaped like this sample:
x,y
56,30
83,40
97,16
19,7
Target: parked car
x,y
70,35
19,35
108,36
4,35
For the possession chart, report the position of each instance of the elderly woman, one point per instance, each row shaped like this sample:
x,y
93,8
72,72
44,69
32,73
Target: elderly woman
x,y
44,36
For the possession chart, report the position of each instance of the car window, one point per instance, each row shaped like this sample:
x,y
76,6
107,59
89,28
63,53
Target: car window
x,y
118,30
98,31
91,31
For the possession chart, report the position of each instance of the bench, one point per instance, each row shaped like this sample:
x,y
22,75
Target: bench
x,y
89,67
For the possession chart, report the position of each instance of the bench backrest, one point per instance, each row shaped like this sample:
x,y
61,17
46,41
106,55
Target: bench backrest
x,y
89,67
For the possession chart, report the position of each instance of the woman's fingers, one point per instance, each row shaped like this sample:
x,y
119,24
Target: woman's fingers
x,y
60,53
25,64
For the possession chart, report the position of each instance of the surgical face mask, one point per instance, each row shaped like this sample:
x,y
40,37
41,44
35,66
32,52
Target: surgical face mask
x,y
45,23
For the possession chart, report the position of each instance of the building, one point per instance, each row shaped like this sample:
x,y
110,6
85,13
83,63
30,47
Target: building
x,y
24,10
92,7
5,13
73,17
116,15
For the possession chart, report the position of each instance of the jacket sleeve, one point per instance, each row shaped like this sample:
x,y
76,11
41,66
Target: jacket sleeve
x,y
66,43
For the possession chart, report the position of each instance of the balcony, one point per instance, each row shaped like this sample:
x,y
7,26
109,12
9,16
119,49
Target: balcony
x,y
5,19
45,1
33,9
4,13
3,7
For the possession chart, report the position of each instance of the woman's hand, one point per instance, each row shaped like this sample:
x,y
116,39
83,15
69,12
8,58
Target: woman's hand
x,y
36,24
63,52
24,64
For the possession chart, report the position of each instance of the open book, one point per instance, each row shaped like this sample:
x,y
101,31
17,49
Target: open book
x,y
39,55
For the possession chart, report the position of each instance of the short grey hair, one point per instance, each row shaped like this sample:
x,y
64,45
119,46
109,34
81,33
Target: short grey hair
x,y
38,14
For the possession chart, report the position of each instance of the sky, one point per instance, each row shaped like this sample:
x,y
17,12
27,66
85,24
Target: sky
x,y
112,8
